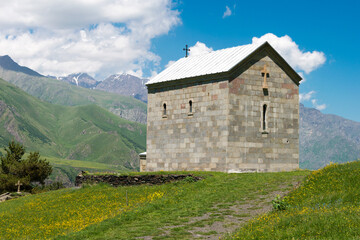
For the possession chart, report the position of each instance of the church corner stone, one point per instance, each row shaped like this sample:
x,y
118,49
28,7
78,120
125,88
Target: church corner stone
x,y
233,124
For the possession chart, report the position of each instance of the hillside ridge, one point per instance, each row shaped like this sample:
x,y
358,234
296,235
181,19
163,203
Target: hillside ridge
x,y
8,63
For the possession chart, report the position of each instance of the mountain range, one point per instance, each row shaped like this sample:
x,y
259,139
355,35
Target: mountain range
x,y
80,79
324,138
125,84
59,92
122,84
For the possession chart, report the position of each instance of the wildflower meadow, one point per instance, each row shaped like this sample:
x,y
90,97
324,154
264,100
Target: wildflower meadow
x,y
325,206
55,213
167,211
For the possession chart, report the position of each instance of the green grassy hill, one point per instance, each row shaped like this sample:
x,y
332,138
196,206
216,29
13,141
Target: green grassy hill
x,y
88,132
59,92
326,205
178,210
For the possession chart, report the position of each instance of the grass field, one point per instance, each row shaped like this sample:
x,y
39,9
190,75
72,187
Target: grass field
x,y
54,213
325,206
179,210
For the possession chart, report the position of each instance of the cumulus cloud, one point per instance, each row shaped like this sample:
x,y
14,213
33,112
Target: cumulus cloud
x,y
199,48
318,106
304,97
227,12
298,59
169,63
99,37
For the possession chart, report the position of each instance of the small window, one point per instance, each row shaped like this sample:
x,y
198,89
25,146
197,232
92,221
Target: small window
x,y
264,117
164,109
190,106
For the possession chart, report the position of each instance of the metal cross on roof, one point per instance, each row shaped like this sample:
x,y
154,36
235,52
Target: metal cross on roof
x,y
186,49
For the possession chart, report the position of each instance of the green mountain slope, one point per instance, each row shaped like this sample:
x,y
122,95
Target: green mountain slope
x,y
59,92
83,132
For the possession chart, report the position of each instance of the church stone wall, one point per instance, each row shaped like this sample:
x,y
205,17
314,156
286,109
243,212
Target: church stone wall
x,y
188,141
250,146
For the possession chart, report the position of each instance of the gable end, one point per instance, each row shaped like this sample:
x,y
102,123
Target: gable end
x,y
275,56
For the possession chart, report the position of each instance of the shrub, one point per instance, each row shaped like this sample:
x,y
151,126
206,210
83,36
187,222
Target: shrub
x,y
14,168
189,179
279,204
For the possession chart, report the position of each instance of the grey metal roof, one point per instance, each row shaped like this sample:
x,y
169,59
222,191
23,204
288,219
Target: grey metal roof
x,y
205,64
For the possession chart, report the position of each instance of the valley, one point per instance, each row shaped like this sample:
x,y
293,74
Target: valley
x,y
88,133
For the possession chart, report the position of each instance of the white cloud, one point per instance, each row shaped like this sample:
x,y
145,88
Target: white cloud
x,y
169,64
100,37
321,107
306,96
227,12
298,59
318,106
199,48
303,97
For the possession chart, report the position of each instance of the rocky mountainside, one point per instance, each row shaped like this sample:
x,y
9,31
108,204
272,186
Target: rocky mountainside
x,y
60,92
80,79
326,138
125,84
7,63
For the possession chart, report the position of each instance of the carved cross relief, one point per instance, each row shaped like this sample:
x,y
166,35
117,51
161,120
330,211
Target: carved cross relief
x,y
265,74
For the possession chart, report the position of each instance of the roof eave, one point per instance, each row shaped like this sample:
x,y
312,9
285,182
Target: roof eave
x,y
198,79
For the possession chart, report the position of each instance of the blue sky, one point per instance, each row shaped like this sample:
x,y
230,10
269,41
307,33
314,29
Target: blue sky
x,y
102,37
331,27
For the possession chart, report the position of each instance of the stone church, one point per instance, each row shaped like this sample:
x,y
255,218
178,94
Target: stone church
x,y
231,110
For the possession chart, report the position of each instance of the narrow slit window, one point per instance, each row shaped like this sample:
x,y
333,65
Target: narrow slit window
x,y
190,106
164,109
264,116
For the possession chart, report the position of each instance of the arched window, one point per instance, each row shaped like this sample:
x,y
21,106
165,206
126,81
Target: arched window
x,y
264,117
164,109
190,106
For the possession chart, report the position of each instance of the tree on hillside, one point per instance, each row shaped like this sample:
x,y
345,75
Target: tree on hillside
x,y
13,167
